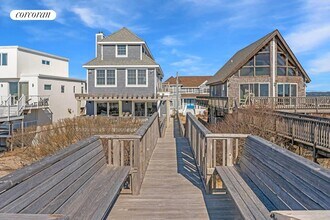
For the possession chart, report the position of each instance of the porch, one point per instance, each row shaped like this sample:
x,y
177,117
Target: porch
x,y
122,106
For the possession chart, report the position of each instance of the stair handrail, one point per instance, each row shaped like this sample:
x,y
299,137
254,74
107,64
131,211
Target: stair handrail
x,y
21,104
8,104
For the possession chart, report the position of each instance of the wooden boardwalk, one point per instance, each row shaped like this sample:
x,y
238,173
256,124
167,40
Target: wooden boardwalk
x,y
172,188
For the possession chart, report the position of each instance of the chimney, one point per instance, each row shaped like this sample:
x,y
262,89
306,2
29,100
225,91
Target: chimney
x,y
99,36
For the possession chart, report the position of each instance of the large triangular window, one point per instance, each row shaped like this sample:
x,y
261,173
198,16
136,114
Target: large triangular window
x,y
258,65
285,64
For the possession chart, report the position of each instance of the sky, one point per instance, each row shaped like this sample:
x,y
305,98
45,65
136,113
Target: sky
x,y
191,37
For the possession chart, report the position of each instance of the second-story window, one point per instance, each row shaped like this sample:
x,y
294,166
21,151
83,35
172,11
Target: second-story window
x,y
47,87
3,59
45,62
100,77
136,77
121,51
106,77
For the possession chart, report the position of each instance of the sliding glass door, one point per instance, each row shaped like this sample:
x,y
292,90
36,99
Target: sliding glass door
x,y
248,91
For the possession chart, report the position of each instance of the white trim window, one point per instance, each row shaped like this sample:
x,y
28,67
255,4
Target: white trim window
x,y
287,89
136,78
106,78
3,59
121,50
45,62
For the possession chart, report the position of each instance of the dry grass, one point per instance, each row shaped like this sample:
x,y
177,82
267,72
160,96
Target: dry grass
x,y
252,121
260,123
38,142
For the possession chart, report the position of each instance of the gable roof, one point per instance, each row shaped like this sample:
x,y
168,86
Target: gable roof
x,y
122,35
245,54
188,81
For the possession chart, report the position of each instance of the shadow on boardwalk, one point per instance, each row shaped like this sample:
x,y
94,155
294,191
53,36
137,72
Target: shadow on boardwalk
x,y
218,206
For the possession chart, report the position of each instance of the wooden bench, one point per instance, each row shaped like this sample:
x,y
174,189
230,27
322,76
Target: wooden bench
x,y
269,178
75,183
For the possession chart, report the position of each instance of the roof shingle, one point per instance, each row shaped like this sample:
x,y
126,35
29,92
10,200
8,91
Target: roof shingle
x,y
122,61
245,54
122,35
188,81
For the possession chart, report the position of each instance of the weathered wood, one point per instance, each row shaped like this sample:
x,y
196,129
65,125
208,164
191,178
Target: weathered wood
x,y
68,185
301,215
6,216
247,202
71,192
21,174
172,187
290,181
18,190
54,194
34,193
286,179
100,193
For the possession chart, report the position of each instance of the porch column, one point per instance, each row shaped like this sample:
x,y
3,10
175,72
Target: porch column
x,y
120,108
133,109
78,108
146,109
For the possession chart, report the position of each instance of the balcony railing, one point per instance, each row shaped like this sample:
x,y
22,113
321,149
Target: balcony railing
x,y
293,103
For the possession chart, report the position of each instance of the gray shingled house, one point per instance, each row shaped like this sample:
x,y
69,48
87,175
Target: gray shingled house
x,y
123,79
265,68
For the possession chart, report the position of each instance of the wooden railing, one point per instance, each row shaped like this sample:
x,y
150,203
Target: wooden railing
x,y
309,130
293,103
211,149
225,103
134,151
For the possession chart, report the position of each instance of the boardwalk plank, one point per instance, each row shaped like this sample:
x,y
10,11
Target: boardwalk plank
x,y
172,188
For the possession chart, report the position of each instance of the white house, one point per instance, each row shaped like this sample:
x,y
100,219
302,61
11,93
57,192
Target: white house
x,y
36,86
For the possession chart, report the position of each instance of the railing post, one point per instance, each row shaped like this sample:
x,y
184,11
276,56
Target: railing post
x,y
315,139
209,167
230,152
136,176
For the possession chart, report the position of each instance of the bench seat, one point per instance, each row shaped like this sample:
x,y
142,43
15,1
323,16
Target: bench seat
x,y
269,178
76,182
247,202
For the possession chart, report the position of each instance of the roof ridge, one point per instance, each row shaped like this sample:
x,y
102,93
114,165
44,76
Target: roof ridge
x,y
123,31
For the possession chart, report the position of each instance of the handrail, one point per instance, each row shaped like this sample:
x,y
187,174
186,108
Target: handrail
x,y
211,149
309,130
134,150
293,103
20,105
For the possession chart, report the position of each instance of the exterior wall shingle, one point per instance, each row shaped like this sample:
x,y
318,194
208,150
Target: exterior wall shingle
x,y
121,88
109,52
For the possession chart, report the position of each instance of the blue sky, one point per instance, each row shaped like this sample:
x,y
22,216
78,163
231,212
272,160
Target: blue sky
x,y
193,37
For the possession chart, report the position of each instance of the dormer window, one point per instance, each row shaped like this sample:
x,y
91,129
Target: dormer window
x,y
121,50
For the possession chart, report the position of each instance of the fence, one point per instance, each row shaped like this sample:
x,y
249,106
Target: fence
x,y
317,104
211,149
134,150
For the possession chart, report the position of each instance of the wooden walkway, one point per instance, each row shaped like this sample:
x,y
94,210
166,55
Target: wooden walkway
x,y
172,188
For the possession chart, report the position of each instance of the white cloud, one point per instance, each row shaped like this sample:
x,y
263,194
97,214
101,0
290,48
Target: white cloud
x,y
107,14
188,61
320,64
189,64
314,30
94,20
170,41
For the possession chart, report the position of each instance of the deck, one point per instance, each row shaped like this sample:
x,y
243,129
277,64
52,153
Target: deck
x,y
172,188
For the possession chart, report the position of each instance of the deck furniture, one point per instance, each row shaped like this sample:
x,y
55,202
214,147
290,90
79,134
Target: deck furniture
x,y
269,177
75,183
